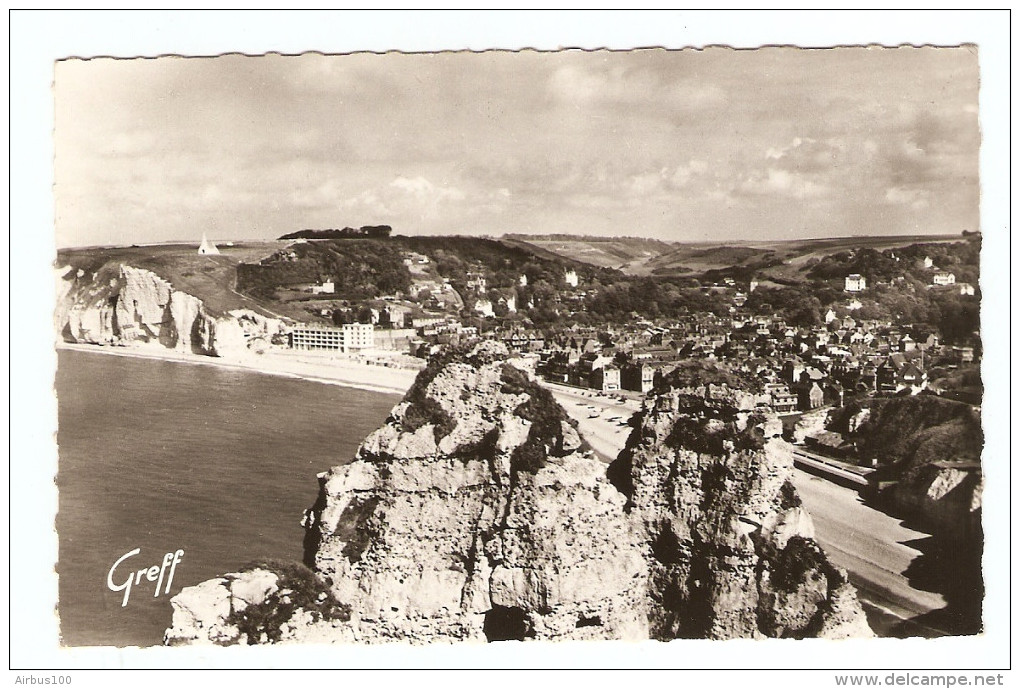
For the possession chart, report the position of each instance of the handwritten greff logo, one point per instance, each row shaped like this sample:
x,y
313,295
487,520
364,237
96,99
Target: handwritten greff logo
x,y
154,573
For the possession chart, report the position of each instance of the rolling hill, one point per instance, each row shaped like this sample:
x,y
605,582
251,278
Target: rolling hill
x,y
782,261
212,278
628,254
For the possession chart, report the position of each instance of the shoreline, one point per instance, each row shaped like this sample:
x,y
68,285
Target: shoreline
x,y
327,371
601,421
605,437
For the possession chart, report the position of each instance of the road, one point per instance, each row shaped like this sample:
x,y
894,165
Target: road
x,y
602,420
867,543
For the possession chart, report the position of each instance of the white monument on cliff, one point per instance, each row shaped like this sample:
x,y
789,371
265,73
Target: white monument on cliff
x,y
207,247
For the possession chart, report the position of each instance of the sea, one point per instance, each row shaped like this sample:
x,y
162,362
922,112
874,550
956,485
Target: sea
x,y
162,457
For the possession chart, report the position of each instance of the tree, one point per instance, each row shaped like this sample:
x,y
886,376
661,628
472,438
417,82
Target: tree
x,y
364,314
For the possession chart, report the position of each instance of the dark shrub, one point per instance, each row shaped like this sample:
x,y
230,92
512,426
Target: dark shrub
x,y
298,588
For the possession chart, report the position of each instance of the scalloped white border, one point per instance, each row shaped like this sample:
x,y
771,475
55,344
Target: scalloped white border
x,y
39,38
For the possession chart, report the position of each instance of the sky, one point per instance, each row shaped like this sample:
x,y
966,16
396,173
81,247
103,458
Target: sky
x,y
681,145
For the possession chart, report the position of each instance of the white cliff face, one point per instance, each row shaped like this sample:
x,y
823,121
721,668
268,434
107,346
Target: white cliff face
x,y
94,324
242,608
453,540
946,497
124,305
475,513
244,331
141,305
63,282
732,550
228,338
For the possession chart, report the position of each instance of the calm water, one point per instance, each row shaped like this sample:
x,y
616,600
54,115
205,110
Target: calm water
x,y
164,456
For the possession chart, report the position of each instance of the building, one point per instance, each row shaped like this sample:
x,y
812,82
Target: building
x,y
605,378
414,258
523,281
943,278
897,373
834,394
351,337
966,289
964,355
327,287
854,283
395,339
394,315
483,307
571,278
928,262
427,321
783,401
207,248
791,371
811,396
637,376
911,376
476,281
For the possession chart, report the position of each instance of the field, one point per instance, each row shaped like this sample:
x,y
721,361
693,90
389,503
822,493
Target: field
x,y
628,254
782,260
210,278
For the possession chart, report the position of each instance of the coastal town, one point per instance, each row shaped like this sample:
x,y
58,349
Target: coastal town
x,y
874,374
524,346
847,355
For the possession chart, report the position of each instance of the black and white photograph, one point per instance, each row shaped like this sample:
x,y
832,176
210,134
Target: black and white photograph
x,y
668,347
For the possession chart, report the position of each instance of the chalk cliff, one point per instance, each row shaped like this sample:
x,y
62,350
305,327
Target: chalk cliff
x,y
473,513
731,549
476,512
123,305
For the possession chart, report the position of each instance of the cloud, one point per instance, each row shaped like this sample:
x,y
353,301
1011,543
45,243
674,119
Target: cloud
x,y
806,154
776,181
666,180
683,174
630,85
903,196
367,202
425,191
712,139
404,197
784,151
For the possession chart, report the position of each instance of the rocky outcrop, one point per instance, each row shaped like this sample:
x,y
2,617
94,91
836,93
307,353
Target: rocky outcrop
x,y
731,548
267,602
244,331
476,512
123,305
946,497
928,455
810,424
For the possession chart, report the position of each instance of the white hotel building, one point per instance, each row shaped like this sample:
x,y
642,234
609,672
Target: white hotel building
x,y
855,283
350,337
